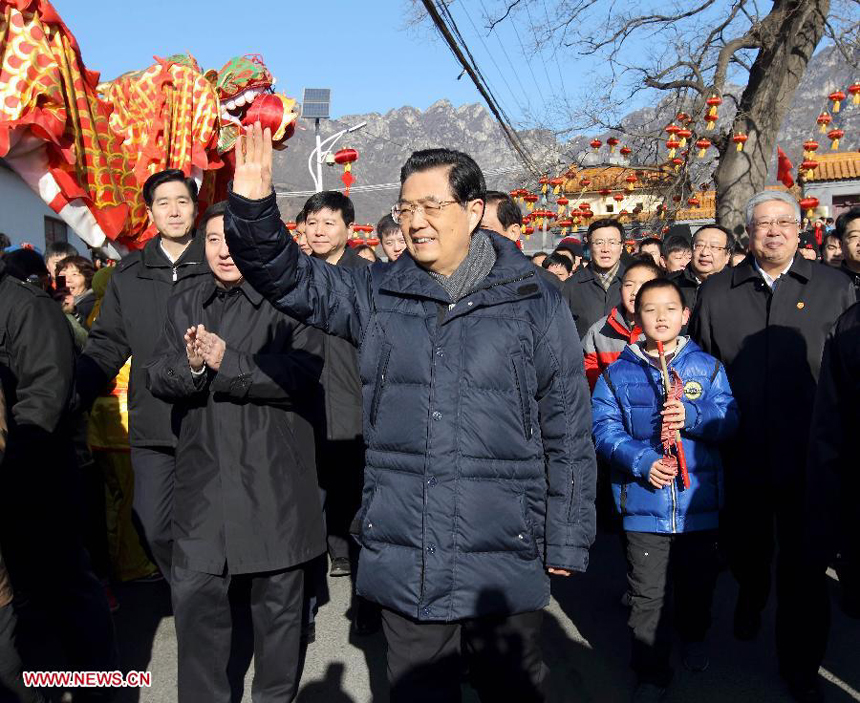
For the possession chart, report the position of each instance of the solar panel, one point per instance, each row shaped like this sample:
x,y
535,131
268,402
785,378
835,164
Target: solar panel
x,y
316,103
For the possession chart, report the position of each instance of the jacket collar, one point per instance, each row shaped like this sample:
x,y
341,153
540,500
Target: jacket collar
x,y
848,271
154,257
586,274
406,277
212,289
688,274
746,270
617,322
636,352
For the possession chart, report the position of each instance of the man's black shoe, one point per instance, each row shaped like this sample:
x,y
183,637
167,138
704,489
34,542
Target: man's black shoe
x,y
340,567
747,624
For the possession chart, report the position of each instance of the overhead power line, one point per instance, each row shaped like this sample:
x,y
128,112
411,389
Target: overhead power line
x,y
471,70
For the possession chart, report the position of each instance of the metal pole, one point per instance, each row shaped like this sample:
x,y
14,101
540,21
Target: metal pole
x,y
318,182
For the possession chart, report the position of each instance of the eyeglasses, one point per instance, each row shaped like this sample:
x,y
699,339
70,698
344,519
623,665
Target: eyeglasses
x,y
780,223
606,243
701,246
404,212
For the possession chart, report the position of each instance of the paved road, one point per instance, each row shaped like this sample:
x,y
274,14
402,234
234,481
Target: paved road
x,y
585,645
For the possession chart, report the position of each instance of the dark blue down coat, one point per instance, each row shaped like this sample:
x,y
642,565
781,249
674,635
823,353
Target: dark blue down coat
x,y
480,471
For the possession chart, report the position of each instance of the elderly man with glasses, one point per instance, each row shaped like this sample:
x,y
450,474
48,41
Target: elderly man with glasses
x,y
480,472
712,246
766,320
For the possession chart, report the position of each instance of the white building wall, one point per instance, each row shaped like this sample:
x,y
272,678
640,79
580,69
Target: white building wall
x,y
22,214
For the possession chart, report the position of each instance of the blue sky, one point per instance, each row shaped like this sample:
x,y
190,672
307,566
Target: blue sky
x,y
361,50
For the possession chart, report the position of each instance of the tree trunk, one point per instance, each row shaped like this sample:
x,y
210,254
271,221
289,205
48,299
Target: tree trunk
x,y
789,35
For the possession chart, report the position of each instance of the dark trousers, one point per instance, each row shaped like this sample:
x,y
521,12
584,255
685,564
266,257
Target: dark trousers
x,y
341,476
666,571
425,659
10,662
759,523
49,568
154,476
201,610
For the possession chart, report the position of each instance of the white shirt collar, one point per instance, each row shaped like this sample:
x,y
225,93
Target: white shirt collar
x,y
165,252
767,277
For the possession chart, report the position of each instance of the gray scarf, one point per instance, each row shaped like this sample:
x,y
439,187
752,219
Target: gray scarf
x,y
472,270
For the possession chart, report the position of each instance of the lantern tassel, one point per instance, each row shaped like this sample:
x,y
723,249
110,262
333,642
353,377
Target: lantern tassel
x,y
835,144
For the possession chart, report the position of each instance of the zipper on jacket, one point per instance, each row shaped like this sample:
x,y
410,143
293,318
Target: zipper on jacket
x,y
174,274
674,506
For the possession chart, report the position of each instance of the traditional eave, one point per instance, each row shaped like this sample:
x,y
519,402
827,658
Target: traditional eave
x,y
841,166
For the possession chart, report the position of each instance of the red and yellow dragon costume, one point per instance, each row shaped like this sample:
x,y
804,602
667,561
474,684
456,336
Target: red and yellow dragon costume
x,y
87,147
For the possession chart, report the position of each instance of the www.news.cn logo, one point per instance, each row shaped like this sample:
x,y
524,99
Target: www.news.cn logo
x,y
87,679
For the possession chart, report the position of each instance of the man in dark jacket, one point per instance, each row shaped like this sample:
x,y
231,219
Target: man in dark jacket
x,y
480,469
833,482
40,530
129,324
592,291
712,246
766,320
246,507
329,217
848,231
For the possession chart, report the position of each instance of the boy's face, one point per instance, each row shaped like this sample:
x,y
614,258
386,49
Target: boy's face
x,y
662,314
630,285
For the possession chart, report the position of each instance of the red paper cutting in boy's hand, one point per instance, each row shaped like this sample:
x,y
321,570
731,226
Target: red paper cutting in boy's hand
x,y
668,436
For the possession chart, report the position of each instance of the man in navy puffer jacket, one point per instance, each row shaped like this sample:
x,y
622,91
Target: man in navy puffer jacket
x,y
480,471
670,529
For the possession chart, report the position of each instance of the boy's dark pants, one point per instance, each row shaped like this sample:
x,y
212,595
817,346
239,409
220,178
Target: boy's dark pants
x,y
661,566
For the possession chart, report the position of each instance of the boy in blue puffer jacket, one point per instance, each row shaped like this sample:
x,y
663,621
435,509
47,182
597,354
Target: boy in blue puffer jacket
x,y
670,530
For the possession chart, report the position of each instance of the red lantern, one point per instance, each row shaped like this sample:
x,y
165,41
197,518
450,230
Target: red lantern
x,y
740,139
854,90
561,202
584,206
683,117
556,184
631,182
584,182
612,142
626,151
274,111
596,144
346,157
683,134
618,197
834,135
823,120
671,145
836,98
808,166
809,204
693,201
530,199
290,226
529,230
372,241
713,103
677,163
543,181
809,146
671,129
703,145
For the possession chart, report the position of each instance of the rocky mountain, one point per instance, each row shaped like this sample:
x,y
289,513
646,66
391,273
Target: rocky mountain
x,y
387,140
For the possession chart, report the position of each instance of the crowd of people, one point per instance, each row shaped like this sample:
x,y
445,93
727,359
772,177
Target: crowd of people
x,y
447,424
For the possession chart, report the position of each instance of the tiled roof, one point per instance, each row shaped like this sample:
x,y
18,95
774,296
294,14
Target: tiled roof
x,y
612,177
840,166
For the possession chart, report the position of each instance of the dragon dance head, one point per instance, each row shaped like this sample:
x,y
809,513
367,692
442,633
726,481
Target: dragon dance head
x,y
245,90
